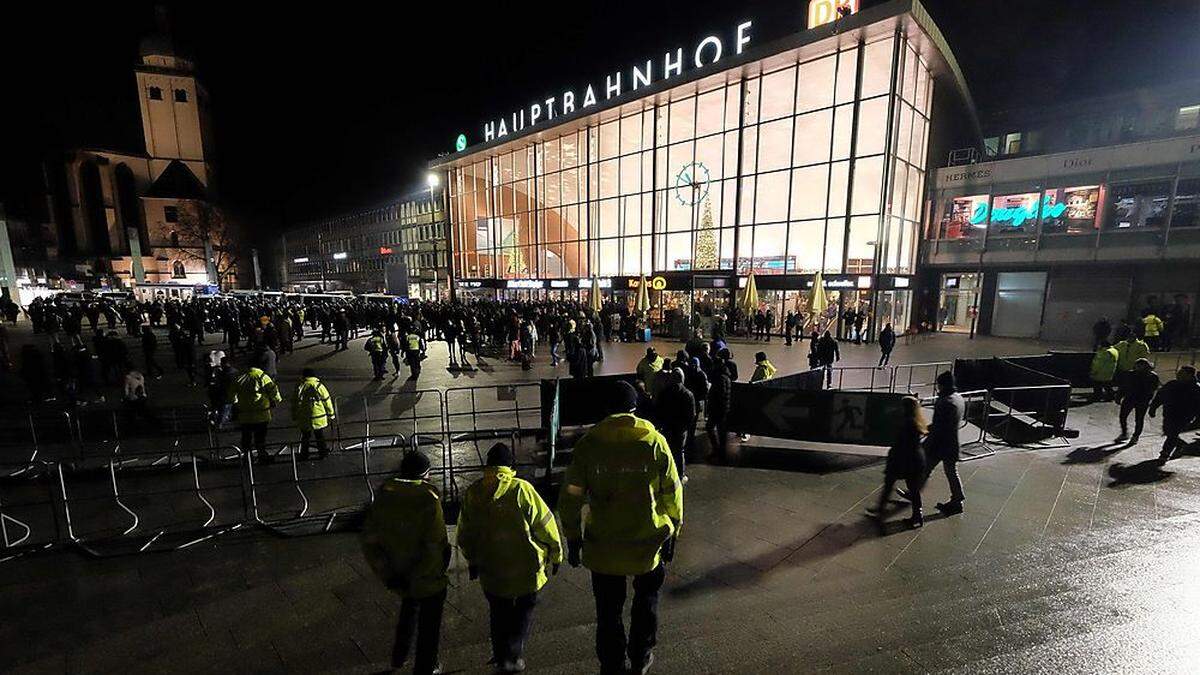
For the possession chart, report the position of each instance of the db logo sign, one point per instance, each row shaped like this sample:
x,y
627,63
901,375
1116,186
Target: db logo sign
x,y
821,12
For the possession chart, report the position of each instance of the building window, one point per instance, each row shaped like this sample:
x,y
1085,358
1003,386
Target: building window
x,y
1188,118
1071,210
155,94
174,239
1138,205
171,214
181,96
964,217
1012,144
177,270
1187,204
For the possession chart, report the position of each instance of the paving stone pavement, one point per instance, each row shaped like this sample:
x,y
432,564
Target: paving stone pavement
x,y
1069,560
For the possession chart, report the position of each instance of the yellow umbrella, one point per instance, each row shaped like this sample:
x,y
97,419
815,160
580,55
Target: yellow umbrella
x,y
750,297
597,301
817,302
643,297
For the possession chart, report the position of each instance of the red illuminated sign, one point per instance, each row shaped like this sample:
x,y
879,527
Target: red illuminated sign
x,y
385,250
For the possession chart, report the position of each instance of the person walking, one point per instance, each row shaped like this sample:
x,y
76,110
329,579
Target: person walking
x,y
253,396
716,408
649,366
414,352
149,347
392,339
1102,372
828,354
312,411
887,342
220,379
675,415
763,369
942,446
789,327
622,471
1137,389
1180,403
404,541
905,462
377,349
510,540
1152,327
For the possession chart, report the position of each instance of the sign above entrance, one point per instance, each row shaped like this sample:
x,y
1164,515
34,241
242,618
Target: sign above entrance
x,y
673,63
821,12
656,283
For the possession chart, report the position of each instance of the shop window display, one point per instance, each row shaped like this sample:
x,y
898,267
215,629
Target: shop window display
x,y
959,220
1071,210
1187,204
1137,205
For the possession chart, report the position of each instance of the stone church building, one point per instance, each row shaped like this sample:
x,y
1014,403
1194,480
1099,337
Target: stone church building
x,y
144,217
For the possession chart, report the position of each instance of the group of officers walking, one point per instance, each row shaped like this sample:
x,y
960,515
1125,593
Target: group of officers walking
x,y
620,510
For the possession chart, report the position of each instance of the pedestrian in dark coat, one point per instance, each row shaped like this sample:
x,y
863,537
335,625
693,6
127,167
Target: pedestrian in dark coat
x,y
887,342
675,415
1180,402
942,444
717,407
906,462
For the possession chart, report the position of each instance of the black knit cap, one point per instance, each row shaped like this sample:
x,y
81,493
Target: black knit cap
x,y
413,465
500,455
624,397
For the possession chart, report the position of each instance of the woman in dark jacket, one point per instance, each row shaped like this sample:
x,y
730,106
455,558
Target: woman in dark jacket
x,y
906,462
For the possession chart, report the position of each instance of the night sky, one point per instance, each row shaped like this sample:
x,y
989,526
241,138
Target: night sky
x,y
317,111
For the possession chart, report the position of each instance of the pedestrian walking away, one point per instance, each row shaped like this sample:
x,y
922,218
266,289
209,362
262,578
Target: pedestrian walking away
x,y
404,541
1136,391
887,342
623,471
312,411
253,396
510,540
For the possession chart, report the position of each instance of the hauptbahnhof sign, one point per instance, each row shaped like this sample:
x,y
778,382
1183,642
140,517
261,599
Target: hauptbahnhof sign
x,y
672,64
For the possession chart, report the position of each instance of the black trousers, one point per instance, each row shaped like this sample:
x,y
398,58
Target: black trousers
x,y
306,436
422,616
510,620
913,485
885,356
1171,431
611,644
950,467
255,432
1139,415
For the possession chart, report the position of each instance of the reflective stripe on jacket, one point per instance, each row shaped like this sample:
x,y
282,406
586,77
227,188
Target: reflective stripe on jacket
x,y
622,469
506,530
312,408
404,538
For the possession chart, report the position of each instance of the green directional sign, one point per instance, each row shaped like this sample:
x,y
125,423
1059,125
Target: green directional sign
x,y
460,143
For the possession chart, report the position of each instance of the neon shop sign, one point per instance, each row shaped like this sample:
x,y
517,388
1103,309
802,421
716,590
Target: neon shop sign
x,y
1017,215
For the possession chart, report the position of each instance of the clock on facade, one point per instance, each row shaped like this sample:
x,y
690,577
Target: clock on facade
x,y
691,183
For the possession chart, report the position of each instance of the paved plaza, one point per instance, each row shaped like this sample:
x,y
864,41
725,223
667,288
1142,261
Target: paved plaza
x,y
1075,559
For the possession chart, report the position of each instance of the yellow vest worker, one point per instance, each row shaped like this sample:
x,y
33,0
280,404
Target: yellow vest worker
x,y
313,408
253,395
623,471
404,541
1129,351
509,537
650,364
1152,324
763,369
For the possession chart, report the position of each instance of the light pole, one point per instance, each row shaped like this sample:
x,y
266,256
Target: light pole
x,y
432,180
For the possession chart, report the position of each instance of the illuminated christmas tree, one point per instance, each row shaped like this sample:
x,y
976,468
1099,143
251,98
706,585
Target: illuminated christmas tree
x,y
706,242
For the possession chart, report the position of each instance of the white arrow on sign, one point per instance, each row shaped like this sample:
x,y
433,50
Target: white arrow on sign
x,y
780,413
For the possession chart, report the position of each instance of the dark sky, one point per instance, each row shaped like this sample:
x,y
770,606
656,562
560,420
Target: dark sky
x,y
318,110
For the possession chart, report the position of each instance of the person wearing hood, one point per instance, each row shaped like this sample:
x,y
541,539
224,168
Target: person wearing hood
x,y
650,364
763,370
510,540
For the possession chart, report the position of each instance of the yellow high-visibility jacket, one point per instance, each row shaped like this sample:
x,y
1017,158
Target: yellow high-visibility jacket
x,y
1153,325
1104,364
404,538
312,409
253,395
622,469
763,371
1129,351
506,530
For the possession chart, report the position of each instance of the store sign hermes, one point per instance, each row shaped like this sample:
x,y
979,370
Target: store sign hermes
x,y
707,52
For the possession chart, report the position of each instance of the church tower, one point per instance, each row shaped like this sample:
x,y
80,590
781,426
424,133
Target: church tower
x,y
174,106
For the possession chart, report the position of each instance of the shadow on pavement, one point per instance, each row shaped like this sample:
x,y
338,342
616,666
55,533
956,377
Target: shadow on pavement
x,y
1095,454
1142,473
802,461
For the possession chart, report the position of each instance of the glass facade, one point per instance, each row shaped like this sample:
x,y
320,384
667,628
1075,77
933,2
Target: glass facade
x,y
787,166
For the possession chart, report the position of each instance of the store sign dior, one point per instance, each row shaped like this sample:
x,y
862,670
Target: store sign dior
x,y
673,63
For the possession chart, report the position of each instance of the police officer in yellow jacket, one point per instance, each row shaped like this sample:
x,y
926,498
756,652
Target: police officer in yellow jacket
x,y
414,352
404,541
623,471
312,411
509,538
377,348
253,395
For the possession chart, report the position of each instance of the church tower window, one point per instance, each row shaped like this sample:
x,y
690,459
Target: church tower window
x,y
181,96
155,94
